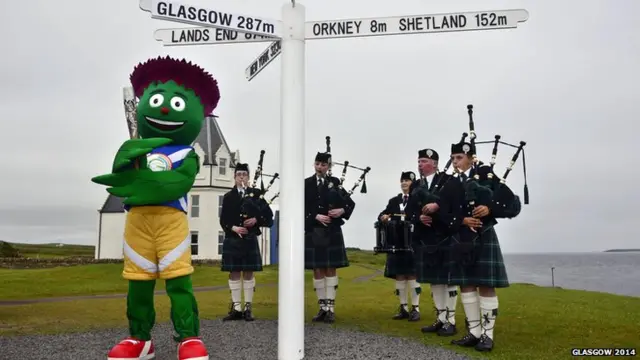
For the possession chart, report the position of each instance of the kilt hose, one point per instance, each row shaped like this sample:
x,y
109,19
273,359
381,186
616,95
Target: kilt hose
x,y
332,255
478,262
431,261
241,254
401,263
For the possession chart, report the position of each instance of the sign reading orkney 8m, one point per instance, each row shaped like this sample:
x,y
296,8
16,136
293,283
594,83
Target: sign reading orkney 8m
x,y
206,36
415,24
196,15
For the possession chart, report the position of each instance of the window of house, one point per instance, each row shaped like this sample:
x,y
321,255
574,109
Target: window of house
x,y
222,166
220,198
220,241
194,243
195,206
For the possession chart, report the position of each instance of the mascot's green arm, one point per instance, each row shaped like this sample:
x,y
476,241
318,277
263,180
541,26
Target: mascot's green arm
x,y
152,188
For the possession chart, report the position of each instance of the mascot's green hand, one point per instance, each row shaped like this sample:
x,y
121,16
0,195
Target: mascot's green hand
x,y
135,148
151,188
118,179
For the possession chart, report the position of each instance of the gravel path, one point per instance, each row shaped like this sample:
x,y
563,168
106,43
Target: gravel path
x,y
236,340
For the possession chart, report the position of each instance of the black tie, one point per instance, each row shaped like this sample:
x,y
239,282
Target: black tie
x,y
463,177
426,183
319,182
405,199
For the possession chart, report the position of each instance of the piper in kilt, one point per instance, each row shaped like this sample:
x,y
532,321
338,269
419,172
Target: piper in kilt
x,y
240,250
401,265
477,264
435,203
324,244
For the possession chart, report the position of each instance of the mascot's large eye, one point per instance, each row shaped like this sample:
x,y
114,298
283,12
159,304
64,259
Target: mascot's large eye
x,y
177,103
156,100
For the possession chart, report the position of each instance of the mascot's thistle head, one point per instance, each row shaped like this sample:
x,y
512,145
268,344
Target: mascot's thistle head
x,y
175,96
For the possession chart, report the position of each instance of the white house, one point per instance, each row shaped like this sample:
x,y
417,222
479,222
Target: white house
x,y
213,181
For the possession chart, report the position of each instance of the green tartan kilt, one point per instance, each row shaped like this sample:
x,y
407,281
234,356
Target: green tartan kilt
x,y
480,263
331,256
431,261
401,263
241,254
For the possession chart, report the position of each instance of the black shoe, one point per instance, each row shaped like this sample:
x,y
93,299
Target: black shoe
x,y
414,315
402,313
233,314
437,325
485,343
447,329
467,341
321,313
330,318
248,314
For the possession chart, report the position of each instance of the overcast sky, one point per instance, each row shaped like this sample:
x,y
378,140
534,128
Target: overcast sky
x,y
566,81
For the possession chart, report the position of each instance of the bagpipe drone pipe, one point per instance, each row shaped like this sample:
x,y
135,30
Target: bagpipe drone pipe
x,y
337,195
254,203
506,203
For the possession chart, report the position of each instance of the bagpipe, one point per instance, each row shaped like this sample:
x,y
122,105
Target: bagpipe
x,y
337,195
254,204
486,187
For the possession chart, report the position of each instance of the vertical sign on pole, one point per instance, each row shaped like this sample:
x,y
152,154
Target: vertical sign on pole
x,y
292,133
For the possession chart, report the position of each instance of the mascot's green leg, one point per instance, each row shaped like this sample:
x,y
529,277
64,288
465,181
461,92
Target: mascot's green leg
x,y
184,309
140,310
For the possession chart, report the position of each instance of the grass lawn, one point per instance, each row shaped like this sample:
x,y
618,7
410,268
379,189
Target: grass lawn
x,y
52,250
534,322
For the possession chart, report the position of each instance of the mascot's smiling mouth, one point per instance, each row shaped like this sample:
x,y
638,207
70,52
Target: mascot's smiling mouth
x,y
164,125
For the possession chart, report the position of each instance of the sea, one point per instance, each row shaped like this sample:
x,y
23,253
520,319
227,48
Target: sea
x,y
611,272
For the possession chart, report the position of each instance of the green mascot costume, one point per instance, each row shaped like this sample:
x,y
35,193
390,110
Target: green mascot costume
x,y
153,174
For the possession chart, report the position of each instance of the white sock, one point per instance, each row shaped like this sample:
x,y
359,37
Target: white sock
x,y
452,299
249,287
415,294
332,287
439,294
401,289
471,306
489,310
236,293
321,291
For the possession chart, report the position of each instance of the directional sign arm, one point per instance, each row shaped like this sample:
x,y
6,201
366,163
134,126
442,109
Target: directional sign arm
x,y
415,24
196,15
206,36
265,58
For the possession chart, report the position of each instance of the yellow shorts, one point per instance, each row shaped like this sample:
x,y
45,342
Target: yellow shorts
x,y
157,243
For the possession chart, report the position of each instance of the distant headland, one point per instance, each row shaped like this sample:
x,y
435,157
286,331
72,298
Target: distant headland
x,y
623,250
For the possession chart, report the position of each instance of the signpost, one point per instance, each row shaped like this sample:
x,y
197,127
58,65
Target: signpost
x,y
288,40
206,36
263,60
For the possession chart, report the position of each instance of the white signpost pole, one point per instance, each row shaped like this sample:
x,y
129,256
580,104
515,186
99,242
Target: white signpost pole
x,y
291,231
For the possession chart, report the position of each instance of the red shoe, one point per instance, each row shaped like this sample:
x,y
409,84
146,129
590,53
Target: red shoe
x,y
132,349
192,349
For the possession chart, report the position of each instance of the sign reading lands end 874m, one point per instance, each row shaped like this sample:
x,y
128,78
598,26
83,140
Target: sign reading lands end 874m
x,y
197,15
415,24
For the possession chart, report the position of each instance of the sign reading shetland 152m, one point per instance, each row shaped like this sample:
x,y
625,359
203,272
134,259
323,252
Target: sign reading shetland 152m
x,y
415,24
196,15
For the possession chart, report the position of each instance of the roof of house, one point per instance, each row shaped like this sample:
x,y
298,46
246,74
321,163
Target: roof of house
x,y
210,139
113,204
